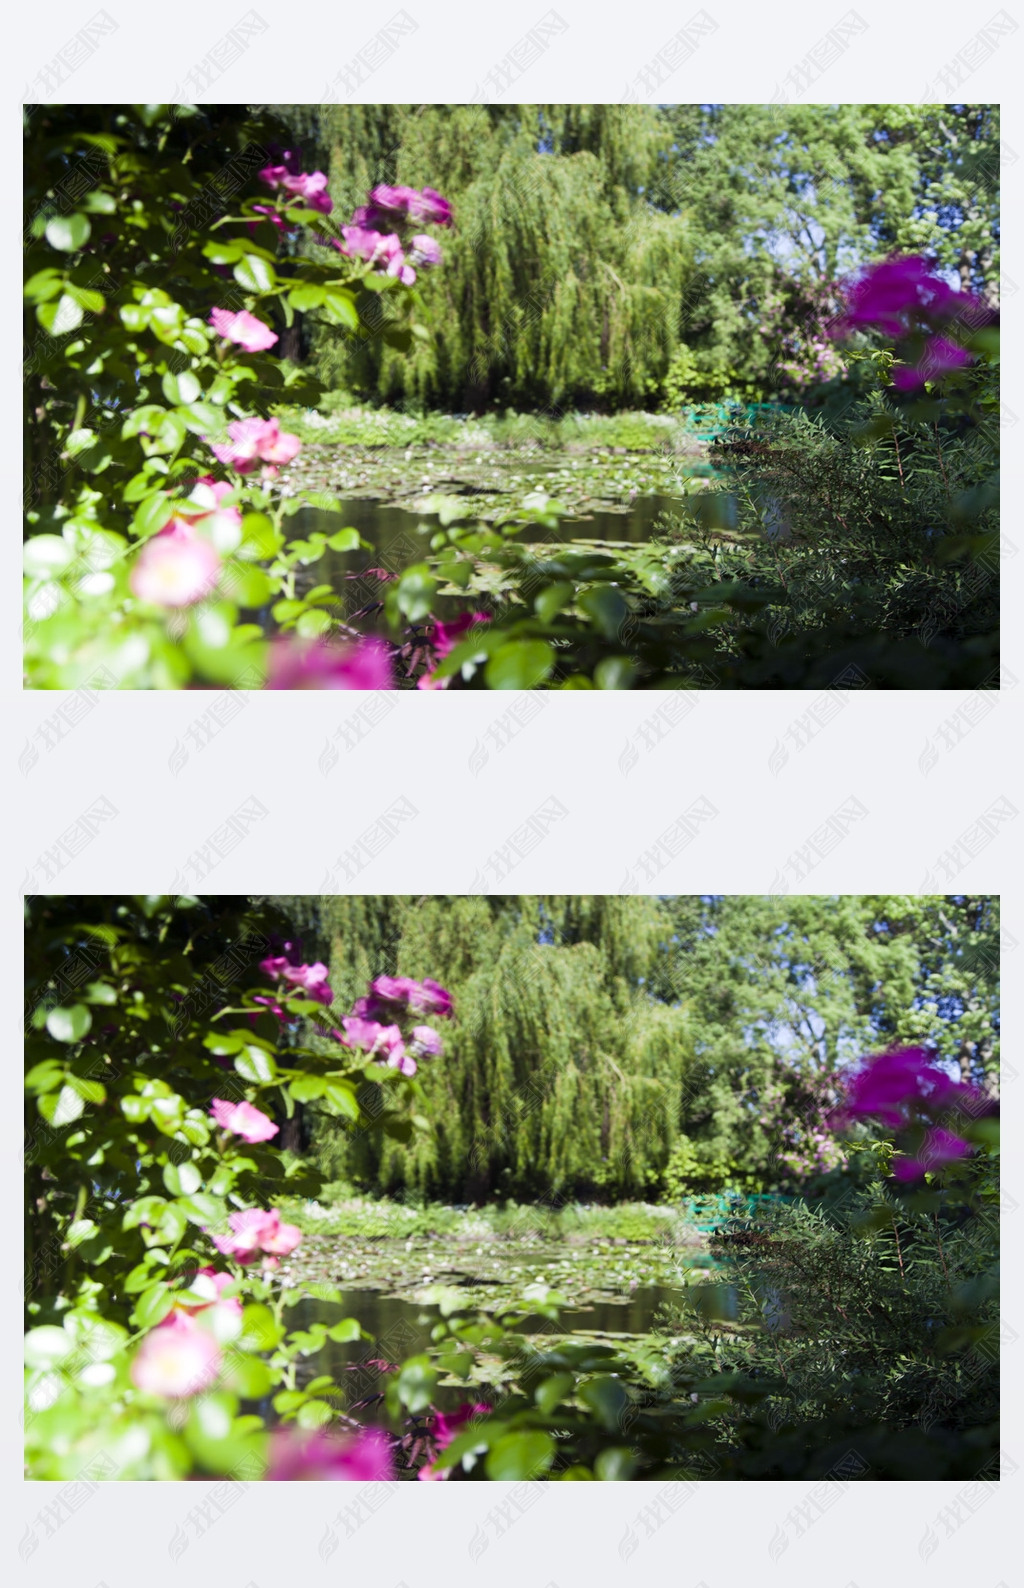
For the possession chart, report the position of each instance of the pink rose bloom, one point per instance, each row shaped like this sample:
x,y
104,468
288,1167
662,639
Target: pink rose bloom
x,y
177,1358
255,1232
276,964
242,1119
253,441
175,568
222,526
312,186
309,1458
939,358
318,664
210,1283
312,979
400,205
243,328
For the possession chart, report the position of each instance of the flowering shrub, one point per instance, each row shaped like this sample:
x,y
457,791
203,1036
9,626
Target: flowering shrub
x,y
157,514
156,1264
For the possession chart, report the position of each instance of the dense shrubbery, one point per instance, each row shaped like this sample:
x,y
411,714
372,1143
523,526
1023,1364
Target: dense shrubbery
x,y
169,1044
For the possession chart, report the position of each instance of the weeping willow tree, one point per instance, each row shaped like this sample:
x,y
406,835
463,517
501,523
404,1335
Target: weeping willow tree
x,y
618,1045
560,1073
560,283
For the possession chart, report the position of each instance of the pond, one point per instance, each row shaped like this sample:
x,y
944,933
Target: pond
x,y
612,1289
395,499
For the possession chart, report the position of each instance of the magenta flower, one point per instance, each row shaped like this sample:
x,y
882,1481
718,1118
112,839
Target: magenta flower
x,y
379,1042
939,358
309,1458
222,526
318,664
886,295
425,251
272,215
242,328
206,1290
891,1084
175,568
443,1428
276,965
271,1003
312,979
426,1043
253,441
383,251
255,1232
176,1359
242,1119
390,206
940,1147
390,995
444,637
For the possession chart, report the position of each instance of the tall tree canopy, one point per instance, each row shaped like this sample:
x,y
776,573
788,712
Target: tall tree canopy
x,y
594,1034
597,247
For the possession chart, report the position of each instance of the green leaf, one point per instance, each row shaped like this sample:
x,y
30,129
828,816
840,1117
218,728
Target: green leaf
x,y
153,1305
345,540
552,1391
523,1454
305,1087
416,1383
45,1076
61,316
615,1465
339,308
46,555
61,1108
520,664
341,1099
255,1065
89,1091
183,388
614,672
68,232
69,1024
255,274
182,1179
306,296
347,1330
553,599
607,608
202,1208
47,1345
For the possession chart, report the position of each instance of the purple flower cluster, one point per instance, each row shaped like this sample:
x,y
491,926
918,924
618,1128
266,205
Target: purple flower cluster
x,y
309,978
377,227
376,1022
288,175
905,1090
904,299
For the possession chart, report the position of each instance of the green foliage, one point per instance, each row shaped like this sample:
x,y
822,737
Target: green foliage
x,y
127,386
617,1047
